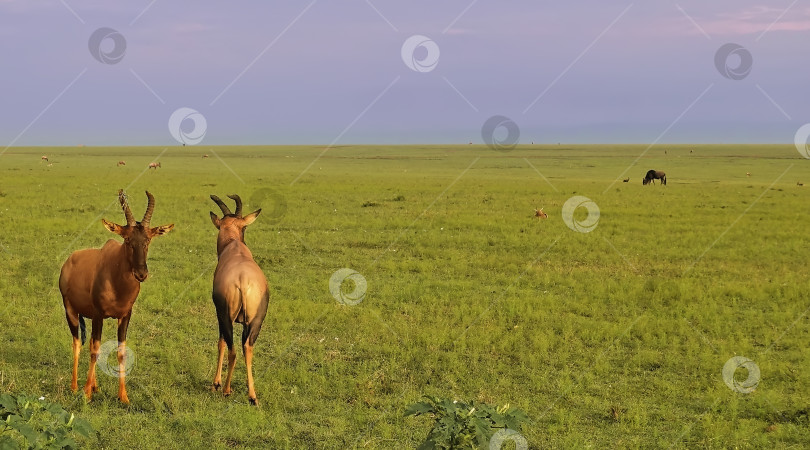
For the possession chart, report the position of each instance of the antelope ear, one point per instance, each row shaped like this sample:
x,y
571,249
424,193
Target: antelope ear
x,y
161,230
214,219
115,228
252,216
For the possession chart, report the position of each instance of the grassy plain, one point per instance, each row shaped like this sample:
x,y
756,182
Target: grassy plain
x,y
612,338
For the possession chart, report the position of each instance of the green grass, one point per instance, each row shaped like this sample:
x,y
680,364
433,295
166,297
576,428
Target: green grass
x,y
613,338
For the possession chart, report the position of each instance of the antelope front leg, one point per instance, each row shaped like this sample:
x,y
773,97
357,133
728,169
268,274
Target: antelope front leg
x,y
231,363
123,323
95,345
220,357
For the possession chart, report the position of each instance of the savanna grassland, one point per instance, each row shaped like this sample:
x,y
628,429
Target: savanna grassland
x,y
615,338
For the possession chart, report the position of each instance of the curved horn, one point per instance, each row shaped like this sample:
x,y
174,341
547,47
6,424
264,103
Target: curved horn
x,y
225,210
122,198
149,208
238,201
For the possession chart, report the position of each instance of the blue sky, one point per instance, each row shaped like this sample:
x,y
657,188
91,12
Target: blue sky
x,y
332,72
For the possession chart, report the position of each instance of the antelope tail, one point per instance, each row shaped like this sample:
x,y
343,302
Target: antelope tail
x,y
83,329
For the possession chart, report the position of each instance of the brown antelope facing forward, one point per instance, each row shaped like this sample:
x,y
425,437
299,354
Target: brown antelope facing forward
x,y
154,165
104,283
122,163
540,214
240,292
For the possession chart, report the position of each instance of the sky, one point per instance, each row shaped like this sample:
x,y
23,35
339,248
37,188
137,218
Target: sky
x,y
327,72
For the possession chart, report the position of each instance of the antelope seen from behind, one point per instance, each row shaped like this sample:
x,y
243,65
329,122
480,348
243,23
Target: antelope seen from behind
x,y
104,283
240,292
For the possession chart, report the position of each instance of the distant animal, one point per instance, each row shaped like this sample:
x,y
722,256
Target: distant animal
x,y
205,156
240,292
653,175
44,158
104,283
154,165
748,174
122,163
626,180
540,214
799,183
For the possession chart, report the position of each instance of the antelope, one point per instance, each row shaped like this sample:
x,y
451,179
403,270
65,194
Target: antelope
x,y
653,175
104,283
748,174
44,158
205,156
122,163
799,183
540,214
154,165
240,292
626,180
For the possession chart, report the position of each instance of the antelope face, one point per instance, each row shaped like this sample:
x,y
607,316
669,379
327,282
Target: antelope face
x,y
137,236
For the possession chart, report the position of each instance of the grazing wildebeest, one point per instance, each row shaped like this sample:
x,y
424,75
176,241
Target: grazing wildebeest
x,y
653,175
540,214
799,183
154,165
240,292
122,163
104,283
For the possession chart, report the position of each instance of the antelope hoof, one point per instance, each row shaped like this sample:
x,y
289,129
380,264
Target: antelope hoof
x,y
215,387
254,401
124,399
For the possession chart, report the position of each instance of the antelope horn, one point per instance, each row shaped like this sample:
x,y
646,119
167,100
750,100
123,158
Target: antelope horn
x,y
225,210
122,198
238,201
149,208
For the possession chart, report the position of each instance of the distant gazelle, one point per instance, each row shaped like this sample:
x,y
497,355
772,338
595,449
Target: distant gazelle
x,y
44,158
154,165
240,292
122,163
104,283
540,214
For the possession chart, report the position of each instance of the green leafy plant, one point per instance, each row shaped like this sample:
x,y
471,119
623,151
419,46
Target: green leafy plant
x,y
464,424
33,423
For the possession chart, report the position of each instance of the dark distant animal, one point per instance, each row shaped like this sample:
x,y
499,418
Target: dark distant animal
x,y
653,175
626,180
154,165
122,163
104,283
540,214
799,183
240,292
